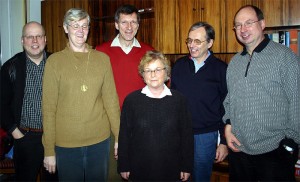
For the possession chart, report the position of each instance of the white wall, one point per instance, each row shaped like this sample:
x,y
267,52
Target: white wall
x,y
12,18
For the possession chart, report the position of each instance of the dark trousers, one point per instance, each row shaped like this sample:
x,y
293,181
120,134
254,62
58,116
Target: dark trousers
x,y
28,158
277,165
87,163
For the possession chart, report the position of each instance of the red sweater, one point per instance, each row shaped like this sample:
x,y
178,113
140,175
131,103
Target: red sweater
x,y
125,67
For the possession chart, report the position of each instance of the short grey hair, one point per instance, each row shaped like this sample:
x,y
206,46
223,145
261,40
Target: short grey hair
x,y
75,14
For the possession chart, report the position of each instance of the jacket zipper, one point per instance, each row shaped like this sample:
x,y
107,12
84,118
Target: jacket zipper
x,y
247,68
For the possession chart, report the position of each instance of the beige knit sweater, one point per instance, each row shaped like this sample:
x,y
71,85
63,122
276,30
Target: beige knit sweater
x,y
76,117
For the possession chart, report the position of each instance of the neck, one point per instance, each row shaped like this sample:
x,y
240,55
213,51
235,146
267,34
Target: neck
x,y
156,91
125,43
36,60
82,48
202,58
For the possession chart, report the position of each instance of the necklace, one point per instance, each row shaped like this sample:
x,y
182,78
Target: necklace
x,y
84,87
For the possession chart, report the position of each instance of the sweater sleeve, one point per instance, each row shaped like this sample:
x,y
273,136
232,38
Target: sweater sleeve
x,y
290,75
187,138
49,103
123,150
110,100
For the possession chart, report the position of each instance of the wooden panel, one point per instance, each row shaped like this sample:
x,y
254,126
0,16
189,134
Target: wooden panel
x,y
186,17
212,10
232,44
281,12
166,38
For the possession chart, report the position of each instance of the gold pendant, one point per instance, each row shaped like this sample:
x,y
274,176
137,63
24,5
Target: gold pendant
x,y
84,88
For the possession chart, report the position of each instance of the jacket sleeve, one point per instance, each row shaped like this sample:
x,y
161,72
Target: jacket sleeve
x,y
7,94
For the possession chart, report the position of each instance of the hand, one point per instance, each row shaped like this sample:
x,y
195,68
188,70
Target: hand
x,y
50,164
222,152
116,151
231,139
17,134
125,175
184,176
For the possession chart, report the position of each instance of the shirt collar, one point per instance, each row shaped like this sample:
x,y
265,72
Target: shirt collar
x,y
148,93
260,46
116,42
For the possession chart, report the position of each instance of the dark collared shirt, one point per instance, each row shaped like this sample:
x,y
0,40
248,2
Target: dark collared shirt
x,y
31,116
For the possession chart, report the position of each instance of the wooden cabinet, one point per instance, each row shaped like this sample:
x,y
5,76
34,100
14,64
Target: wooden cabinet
x,y
166,27
281,12
53,12
102,27
174,17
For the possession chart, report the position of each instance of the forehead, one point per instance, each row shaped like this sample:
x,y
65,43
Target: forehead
x,y
197,33
245,14
85,20
132,16
156,63
33,29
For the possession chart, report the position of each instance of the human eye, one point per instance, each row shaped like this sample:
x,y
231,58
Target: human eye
x,y
134,23
189,41
248,23
197,41
75,26
124,23
237,26
147,71
30,37
85,26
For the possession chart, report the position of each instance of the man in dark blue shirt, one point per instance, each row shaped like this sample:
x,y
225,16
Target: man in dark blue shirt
x,y
201,77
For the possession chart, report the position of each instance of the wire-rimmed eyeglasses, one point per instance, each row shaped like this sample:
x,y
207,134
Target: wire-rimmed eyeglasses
x,y
247,24
76,26
157,71
196,41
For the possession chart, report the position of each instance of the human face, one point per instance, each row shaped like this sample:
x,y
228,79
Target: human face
x,y
252,34
77,33
155,75
34,40
128,26
198,51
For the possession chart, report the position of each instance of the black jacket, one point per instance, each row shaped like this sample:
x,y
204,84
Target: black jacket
x,y
13,76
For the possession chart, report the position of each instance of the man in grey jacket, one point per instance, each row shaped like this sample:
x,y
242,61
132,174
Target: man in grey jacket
x,y
263,104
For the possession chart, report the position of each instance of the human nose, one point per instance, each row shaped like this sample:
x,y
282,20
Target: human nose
x,y
34,38
153,73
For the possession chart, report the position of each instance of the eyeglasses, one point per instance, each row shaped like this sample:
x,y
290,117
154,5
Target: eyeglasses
x,y
127,23
157,71
31,37
247,24
196,41
77,26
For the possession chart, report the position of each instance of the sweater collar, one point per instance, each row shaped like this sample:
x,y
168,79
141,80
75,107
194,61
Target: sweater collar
x,y
260,46
148,93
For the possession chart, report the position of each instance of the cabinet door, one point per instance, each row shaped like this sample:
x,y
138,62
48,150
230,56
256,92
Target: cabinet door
x,y
166,29
193,11
53,12
281,12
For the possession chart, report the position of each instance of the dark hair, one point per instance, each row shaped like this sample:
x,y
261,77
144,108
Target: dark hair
x,y
210,31
258,12
127,9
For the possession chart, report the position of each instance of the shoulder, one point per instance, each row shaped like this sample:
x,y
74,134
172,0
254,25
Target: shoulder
x,y
133,97
103,46
16,59
218,62
146,46
178,95
182,60
57,56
